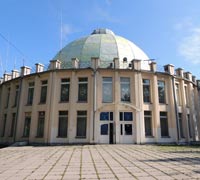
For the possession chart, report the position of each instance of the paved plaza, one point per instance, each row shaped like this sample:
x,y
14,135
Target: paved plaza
x,y
100,162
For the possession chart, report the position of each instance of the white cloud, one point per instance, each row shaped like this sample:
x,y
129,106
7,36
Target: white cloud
x,y
189,44
66,29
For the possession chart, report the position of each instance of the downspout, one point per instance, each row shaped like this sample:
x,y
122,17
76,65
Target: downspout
x,y
94,101
176,108
17,112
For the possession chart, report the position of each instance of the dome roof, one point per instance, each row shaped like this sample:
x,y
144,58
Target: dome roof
x,y
104,44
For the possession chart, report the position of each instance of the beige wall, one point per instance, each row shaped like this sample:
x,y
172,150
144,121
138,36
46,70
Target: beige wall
x,y
136,106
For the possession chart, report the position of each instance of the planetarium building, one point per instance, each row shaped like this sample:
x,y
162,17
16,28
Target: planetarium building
x,y
101,88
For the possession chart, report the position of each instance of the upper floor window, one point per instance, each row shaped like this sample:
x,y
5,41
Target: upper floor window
x,y
146,91
186,96
82,89
125,89
16,95
30,93
178,98
8,97
43,95
107,91
161,91
64,91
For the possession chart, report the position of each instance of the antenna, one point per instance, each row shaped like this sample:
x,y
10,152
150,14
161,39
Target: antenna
x,y
61,29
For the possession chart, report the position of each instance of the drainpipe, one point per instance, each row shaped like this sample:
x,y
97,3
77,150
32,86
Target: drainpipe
x,y
175,107
17,112
94,100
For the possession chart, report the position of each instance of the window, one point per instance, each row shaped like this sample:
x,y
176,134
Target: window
x,y
161,91
180,125
43,95
125,124
81,124
189,126
30,93
82,89
64,92
12,125
16,95
126,116
104,129
186,96
40,127
8,97
107,90
125,89
146,91
164,124
4,125
62,124
27,125
178,95
148,123
106,116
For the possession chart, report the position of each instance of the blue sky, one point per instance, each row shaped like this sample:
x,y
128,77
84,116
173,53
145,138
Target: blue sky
x,y
168,31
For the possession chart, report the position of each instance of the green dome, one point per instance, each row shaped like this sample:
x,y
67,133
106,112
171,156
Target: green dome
x,y
102,43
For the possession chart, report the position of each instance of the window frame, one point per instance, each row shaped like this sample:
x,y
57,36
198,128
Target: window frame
x,y
82,81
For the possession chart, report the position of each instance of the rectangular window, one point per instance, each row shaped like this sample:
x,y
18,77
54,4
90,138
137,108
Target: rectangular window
x,y
16,95
12,125
8,97
40,127
63,124
180,125
43,95
106,116
4,125
186,96
146,91
81,124
148,123
107,90
30,93
189,126
161,91
27,125
64,90
178,99
126,116
82,89
125,89
164,124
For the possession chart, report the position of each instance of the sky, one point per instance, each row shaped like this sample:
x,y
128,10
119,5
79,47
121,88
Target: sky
x,y
33,31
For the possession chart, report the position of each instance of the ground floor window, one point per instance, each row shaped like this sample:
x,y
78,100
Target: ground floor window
x,y
12,125
148,123
62,124
81,124
164,124
40,127
180,125
4,125
27,125
189,126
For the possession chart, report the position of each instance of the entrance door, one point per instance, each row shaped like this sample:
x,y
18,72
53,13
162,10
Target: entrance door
x,y
106,128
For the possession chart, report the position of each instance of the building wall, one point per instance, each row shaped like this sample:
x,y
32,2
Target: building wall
x,y
94,106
